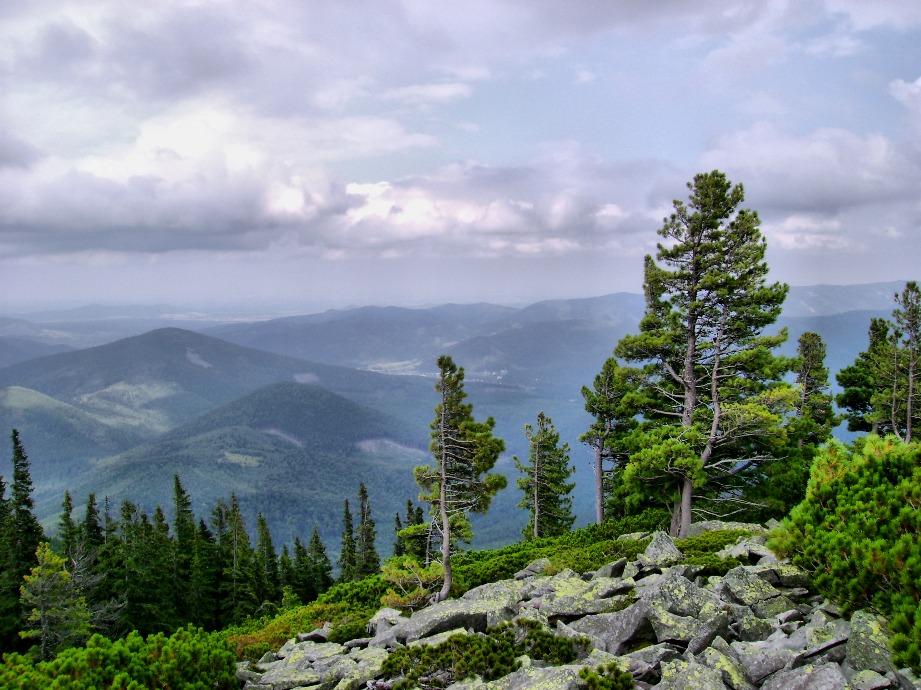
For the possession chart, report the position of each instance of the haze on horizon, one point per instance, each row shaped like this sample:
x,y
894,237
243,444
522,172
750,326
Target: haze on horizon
x,y
410,152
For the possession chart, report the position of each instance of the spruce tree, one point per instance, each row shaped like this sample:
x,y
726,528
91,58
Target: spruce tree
x,y
546,491
348,556
67,528
204,579
863,386
20,538
302,580
367,561
907,316
464,451
237,587
321,568
714,401
266,564
91,531
185,536
57,613
611,402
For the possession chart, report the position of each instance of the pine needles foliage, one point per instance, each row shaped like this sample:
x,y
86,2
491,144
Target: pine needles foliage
x,y
490,656
190,659
858,532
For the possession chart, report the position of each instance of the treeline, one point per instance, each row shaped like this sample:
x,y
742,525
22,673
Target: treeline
x,y
116,572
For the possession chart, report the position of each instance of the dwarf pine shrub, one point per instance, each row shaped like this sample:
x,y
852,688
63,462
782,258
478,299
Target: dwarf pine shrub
x,y
858,532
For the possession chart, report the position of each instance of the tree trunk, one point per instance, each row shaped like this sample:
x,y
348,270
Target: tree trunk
x,y
599,483
536,492
687,491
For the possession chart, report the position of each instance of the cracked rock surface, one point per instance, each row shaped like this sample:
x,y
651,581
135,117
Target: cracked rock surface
x,y
757,627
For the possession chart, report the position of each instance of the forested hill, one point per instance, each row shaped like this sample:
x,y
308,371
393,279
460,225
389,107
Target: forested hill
x,y
290,451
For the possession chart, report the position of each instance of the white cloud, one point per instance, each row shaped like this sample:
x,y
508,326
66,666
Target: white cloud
x,y
429,93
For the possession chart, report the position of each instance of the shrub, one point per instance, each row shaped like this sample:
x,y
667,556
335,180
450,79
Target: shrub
x,y
190,659
489,656
858,532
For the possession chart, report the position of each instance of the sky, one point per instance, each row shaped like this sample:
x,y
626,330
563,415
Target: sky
x,y
306,154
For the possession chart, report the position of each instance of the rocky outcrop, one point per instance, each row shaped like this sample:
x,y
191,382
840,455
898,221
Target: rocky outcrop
x,y
758,626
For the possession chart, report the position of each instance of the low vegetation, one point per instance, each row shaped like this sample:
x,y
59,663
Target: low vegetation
x,y
859,532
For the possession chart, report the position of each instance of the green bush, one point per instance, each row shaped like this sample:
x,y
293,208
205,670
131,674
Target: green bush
x,y
489,656
190,659
610,677
858,532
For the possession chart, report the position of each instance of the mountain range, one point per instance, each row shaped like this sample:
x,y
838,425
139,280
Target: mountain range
x,y
292,413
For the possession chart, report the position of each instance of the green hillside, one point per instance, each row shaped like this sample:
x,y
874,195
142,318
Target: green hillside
x,y
290,451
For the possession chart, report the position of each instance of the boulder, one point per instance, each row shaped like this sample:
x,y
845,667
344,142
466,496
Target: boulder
x,y
698,528
490,607
868,643
824,677
619,632
534,568
681,675
661,553
760,659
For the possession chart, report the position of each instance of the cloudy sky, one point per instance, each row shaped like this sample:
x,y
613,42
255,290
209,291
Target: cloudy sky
x,y
318,153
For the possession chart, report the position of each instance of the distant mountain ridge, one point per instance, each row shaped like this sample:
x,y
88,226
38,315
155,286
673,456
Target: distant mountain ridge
x,y
145,405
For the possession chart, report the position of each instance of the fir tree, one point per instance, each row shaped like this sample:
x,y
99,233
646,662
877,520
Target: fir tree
x,y
266,564
91,531
464,451
367,561
67,528
348,555
57,613
546,491
611,402
20,535
321,568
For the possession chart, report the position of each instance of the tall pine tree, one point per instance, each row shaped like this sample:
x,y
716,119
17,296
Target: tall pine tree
x,y
715,404
367,561
546,491
464,451
348,555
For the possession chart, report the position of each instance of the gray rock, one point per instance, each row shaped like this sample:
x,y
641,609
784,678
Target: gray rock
x,y
548,678
748,589
615,569
681,675
868,644
868,680
617,632
538,567
760,659
698,528
383,620
478,614
661,552
907,679
824,677
730,670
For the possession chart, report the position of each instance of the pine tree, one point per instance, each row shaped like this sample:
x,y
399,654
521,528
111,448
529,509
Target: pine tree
x,y
546,491
907,316
465,451
611,402
367,561
91,531
321,568
21,535
715,404
814,410
204,579
185,537
67,528
57,611
302,581
863,385
237,586
348,555
266,564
